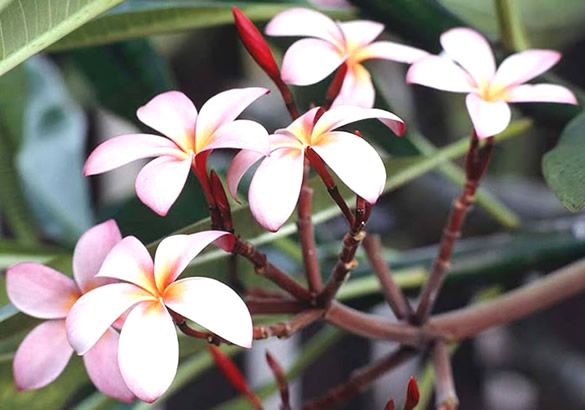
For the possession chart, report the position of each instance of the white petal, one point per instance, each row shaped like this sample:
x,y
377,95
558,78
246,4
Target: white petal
x,y
309,61
541,93
489,118
524,66
440,73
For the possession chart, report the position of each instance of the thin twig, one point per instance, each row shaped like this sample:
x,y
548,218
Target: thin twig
x,y
281,381
446,397
286,329
273,306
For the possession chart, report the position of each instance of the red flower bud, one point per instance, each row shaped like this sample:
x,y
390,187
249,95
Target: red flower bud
x,y
412,395
335,86
390,405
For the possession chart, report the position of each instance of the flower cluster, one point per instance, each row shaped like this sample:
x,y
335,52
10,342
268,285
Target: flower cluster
x,y
120,310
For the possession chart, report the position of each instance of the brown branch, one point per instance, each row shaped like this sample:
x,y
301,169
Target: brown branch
x,y
284,330
273,306
446,397
281,381
393,294
360,380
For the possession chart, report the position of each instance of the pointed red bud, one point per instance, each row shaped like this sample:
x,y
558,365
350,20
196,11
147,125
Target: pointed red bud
x,y
412,394
280,380
390,405
335,87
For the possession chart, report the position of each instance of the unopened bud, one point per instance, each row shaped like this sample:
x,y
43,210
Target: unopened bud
x,y
412,395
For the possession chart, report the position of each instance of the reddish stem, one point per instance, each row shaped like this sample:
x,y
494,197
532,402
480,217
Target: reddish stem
x,y
335,86
284,330
445,397
281,381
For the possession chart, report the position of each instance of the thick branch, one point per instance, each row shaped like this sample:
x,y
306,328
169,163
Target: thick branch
x,y
284,330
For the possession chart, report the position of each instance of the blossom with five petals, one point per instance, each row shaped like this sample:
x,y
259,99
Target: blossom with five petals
x,y
44,293
276,185
469,67
310,60
148,353
191,137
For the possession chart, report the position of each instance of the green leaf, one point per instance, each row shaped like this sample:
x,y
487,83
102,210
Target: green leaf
x,y
27,27
564,166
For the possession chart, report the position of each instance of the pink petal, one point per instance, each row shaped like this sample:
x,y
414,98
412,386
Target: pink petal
x,y
160,182
130,261
172,114
121,150
90,252
241,163
42,355
101,362
222,109
440,73
275,188
521,67
472,51
489,118
212,305
240,134
305,22
309,61
357,88
388,50
95,311
40,291
541,93
359,33
301,128
149,351
355,161
342,115
175,252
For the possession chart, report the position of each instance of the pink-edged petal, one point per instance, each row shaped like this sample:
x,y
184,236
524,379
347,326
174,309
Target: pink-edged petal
x,y
172,114
523,66
301,128
40,291
440,73
309,61
42,355
101,363
241,163
388,50
355,161
489,118
275,188
541,93
175,252
472,51
342,115
240,134
130,261
359,33
212,305
95,311
90,252
222,109
148,352
160,182
121,150
305,22
357,88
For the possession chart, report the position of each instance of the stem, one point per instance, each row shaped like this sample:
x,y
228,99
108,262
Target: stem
x,y
512,30
281,381
284,330
446,397
262,306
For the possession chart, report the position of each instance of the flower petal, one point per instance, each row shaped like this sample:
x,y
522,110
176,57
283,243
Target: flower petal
x,y
42,355
175,252
541,93
160,182
440,73
301,128
90,252
355,161
172,114
149,351
472,51
521,67
275,188
359,33
222,109
40,291
212,305
489,118
357,88
388,50
241,163
305,22
95,311
101,362
130,261
240,134
309,61
341,115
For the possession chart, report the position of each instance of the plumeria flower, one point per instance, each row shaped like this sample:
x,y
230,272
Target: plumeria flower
x,y
191,137
44,293
276,185
149,351
469,67
332,44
